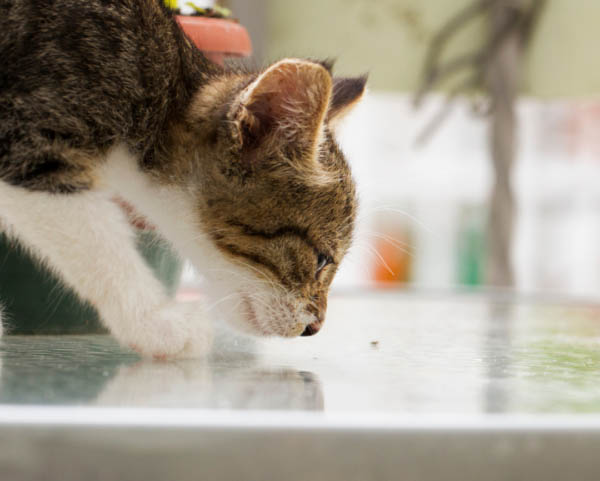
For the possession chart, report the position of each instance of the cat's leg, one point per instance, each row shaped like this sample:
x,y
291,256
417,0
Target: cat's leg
x,y
86,239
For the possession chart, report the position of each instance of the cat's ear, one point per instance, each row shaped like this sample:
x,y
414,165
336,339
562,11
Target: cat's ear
x,y
346,94
286,102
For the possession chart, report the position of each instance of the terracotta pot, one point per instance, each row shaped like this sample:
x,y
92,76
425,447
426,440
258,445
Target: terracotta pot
x,y
217,38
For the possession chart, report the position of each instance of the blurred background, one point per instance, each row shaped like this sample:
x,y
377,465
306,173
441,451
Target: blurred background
x,y
475,150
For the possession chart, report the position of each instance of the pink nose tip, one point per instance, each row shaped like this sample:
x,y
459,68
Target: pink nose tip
x,y
312,329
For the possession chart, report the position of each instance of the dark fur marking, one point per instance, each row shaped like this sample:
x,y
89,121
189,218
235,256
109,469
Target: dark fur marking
x,y
254,258
284,231
46,165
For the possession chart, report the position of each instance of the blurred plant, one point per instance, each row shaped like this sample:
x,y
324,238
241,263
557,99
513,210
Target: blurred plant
x,y
492,68
215,12
508,19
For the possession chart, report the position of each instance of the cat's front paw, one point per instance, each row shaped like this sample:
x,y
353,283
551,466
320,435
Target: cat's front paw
x,y
178,330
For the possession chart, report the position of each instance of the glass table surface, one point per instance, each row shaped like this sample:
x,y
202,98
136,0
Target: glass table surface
x,y
391,380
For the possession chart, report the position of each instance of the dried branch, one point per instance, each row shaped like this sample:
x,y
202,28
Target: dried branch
x,y
531,20
437,120
432,70
522,19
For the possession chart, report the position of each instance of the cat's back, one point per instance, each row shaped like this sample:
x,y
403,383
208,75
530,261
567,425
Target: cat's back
x,y
90,71
70,44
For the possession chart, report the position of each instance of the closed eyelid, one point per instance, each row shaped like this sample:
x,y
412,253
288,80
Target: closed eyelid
x,y
283,231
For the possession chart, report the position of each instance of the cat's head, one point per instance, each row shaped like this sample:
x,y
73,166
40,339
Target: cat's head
x,y
278,201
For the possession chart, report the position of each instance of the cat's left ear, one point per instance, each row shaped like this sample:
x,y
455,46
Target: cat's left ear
x,y
346,94
287,102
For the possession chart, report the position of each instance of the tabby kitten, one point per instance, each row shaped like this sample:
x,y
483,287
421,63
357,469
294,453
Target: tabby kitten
x,y
239,171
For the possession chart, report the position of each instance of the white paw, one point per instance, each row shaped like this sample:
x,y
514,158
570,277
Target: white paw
x,y
200,339
178,330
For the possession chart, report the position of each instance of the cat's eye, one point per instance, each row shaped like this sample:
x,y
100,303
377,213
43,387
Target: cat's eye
x,y
322,261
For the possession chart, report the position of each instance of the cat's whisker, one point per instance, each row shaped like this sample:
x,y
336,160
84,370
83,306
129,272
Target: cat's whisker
x,y
403,247
392,240
385,264
261,274
376,253
366,214
220,301
355,258
260,300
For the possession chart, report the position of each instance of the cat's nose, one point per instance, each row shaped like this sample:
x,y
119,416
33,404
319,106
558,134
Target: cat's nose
x,y
318,310
312,329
